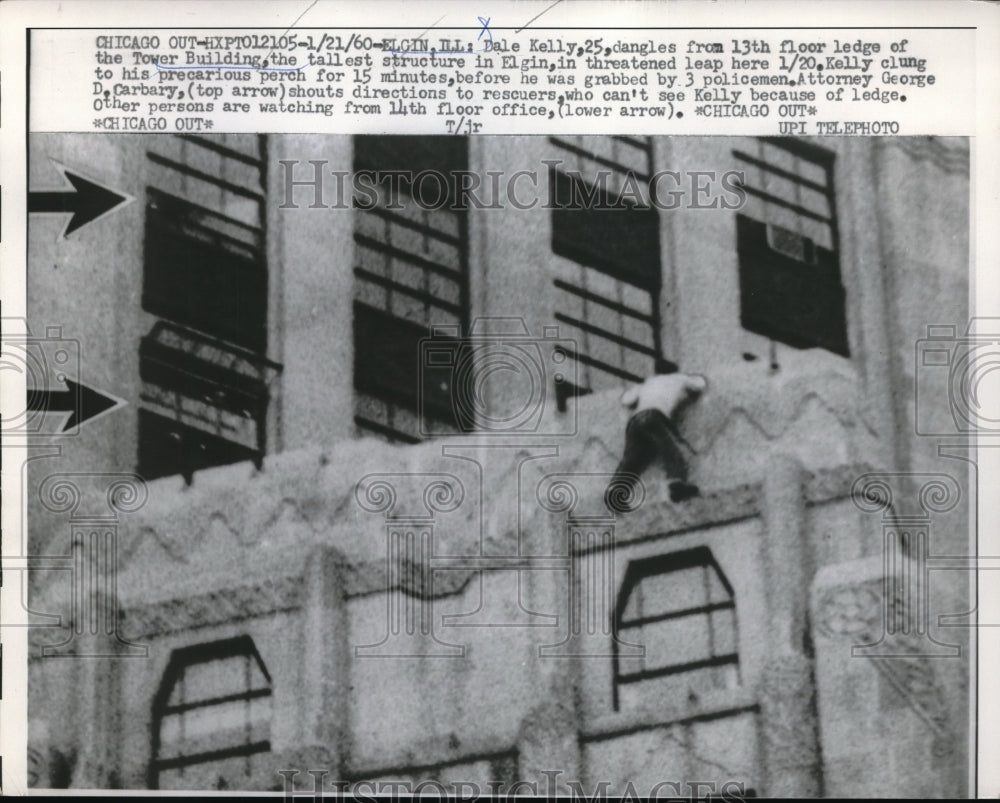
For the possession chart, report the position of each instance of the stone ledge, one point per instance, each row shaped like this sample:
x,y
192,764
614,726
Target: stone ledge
x,y
242,600
429,753
711,705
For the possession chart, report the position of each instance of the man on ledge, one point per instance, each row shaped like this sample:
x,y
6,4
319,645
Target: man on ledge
x,y
652,434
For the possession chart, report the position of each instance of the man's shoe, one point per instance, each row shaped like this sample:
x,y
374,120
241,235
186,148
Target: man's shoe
x,y
620,496
681,491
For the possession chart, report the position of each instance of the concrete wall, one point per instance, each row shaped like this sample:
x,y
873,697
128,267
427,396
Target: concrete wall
x,y
510,254
295,554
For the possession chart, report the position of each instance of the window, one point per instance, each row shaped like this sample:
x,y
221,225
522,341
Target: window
x,y
211,717
787,241
680,608
411,266
608,291
203,366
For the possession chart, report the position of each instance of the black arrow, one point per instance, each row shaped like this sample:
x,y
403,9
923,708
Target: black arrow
x,y
87,201
80,401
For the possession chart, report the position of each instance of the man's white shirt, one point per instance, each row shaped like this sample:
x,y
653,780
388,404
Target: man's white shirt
x,y
664,392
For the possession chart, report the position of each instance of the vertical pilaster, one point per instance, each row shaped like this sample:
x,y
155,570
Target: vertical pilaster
x,y
548,742
409,547
326,663
93,645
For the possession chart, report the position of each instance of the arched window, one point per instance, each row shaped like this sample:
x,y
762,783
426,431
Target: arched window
x,y
680,607
211,716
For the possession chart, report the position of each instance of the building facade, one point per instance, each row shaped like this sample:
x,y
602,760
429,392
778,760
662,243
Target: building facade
x,y
352,516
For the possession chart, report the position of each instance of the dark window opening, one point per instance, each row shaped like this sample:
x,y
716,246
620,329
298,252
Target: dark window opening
x,y
681,608
411,276
590,225
787,241
211,717
608,293
205,271
203,365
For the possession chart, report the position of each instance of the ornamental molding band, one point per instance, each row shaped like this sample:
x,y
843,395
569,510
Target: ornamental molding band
x,y
653,519
711,509
214,608
241,603
409,504
92,503
827,485
773,411
715,508
413,577
183,518
247,520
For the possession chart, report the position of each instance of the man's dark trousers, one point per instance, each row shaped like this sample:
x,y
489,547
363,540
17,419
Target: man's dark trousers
x,y
649,437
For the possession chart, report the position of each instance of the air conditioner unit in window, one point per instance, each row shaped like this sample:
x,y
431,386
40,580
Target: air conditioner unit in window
x,y
791,244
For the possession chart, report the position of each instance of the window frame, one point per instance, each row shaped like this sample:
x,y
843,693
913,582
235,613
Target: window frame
x,y
170,216
205,352
180,660
564,246
657,565
771,280
392,153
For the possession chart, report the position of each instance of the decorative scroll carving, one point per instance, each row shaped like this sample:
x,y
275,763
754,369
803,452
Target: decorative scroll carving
x,y
855,612
850,610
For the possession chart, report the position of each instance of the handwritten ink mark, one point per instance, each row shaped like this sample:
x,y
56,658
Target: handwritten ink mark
x,y
262,68
433,24
486,28
296,22
543,11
